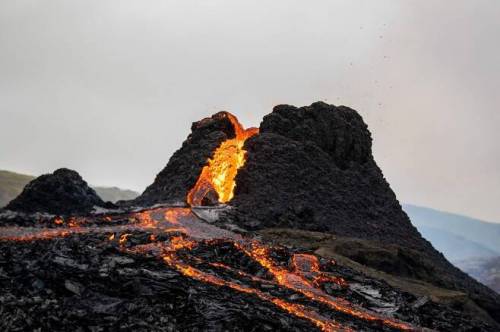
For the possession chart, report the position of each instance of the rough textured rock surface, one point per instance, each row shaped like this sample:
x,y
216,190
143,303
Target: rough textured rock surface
x,y
312,168
89,282
174,181
62,192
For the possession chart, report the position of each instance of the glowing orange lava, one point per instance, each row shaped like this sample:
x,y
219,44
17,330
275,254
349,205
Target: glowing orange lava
x,y
309,264
178,243
299,283
173,215
123,238
220,173
303,275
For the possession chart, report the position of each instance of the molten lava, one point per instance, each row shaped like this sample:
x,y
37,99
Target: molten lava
x,y
218,176
185,234
58,221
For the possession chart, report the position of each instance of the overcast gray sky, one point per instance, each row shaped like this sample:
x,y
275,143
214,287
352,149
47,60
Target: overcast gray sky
x,y
110,88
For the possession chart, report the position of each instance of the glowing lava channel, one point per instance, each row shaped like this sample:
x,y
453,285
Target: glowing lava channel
x,y
179,243
303,276
219,174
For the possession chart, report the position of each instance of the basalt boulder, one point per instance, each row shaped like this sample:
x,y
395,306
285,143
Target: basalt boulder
x,y
63,192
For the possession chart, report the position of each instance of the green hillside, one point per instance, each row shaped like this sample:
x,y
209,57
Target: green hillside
x,y
11,185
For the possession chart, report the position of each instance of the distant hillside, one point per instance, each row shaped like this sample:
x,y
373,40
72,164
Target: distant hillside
x,y
474,231
485,270
455,247
470,244
11,185
114,194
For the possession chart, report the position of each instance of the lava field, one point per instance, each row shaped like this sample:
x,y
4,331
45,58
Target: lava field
x,y
166,269
187,254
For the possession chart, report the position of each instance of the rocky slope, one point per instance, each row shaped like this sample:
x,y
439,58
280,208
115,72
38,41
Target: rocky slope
x,y
312,168
62,192
12,184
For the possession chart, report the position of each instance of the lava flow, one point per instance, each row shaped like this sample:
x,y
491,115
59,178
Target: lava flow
x,y
218,176
175,235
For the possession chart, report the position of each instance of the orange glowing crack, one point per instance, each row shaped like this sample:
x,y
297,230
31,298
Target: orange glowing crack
x,y
304,276
123,238
58,221
173,215
220,173
299,284
309,264
323,323
241,273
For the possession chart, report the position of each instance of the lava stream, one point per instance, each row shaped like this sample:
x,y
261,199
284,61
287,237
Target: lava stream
x,y
171,259
218,176
303,276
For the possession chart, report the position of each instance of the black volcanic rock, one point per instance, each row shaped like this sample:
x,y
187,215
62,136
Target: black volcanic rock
x,y
62,192
174,181
312,168
81,283
338,131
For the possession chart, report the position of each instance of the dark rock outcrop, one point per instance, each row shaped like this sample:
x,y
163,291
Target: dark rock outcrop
x,y
174,181
63,192
311,168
